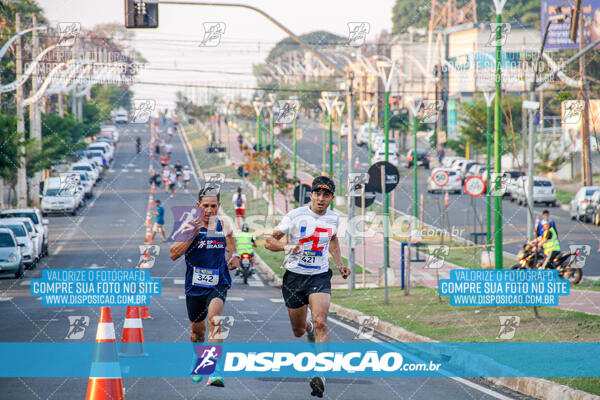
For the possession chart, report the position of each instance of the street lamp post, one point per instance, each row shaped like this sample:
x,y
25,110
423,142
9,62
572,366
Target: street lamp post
x,y
329,98
258,107
489,97
324,137
499,4
414,108
387,82
369,108
339,108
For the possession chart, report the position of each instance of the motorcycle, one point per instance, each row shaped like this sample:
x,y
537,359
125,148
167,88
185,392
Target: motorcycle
x,y
246,266
530,259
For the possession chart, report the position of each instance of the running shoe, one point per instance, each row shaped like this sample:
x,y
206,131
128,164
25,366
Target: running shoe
x,y
196,378
317,385
215,380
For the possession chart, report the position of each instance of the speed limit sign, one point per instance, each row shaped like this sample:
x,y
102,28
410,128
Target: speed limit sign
x,y
334,148
440,177
276,130
474,186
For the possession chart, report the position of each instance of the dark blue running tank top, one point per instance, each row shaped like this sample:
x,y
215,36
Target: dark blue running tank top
x,y
206,267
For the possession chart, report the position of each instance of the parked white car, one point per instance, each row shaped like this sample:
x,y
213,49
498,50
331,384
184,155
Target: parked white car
x,y
448,161
24,240
379,155
454,183
543,191
512,181
362,136
113,130
106,149
84,181
40,223
59,197
36,238
392,145
121,116
83,165
578,207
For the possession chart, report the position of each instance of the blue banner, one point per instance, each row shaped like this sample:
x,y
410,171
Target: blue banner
x,y
558,33
299,359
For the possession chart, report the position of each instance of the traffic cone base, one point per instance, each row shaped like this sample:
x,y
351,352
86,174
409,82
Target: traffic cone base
x,y
105,389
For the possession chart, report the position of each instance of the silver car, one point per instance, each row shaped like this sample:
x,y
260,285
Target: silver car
x,y
11,261
35,236
40,223
578,207
24,241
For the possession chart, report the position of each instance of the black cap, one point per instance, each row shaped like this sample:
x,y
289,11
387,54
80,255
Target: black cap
x,y
323,182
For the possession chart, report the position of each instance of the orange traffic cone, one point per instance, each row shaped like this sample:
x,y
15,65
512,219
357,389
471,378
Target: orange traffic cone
x,y
356,163
145,312
132,341
446,200
105,377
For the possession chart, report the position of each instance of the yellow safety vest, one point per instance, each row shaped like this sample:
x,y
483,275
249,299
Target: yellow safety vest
x,y
243,242
551,244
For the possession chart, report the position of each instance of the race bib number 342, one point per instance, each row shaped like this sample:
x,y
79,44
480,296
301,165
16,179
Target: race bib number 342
x,y
205,277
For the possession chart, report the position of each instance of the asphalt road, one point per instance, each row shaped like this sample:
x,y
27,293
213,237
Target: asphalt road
x,y
460,215
106,234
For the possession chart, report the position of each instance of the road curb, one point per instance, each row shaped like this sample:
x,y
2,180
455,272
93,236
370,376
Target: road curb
x,y
266,272
535,387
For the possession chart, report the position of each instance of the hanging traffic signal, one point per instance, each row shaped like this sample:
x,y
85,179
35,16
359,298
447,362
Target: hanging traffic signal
x,y
141,14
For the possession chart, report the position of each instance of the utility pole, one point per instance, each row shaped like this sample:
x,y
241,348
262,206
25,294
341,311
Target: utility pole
x,y
22,172
349,139
35,118
586,167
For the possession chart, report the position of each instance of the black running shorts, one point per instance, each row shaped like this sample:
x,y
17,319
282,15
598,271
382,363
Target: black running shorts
x,y
197,306
297,287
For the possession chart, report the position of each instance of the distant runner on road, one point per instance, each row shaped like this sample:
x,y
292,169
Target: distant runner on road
x,y
307,279
210,252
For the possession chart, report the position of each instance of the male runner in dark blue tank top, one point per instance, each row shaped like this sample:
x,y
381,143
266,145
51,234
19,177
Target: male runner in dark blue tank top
x,y
205,242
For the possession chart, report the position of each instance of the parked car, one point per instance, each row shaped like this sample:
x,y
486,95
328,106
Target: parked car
x,y
379,155
344,131
121,116
454,182
59,197
511,179
458,164
113,130
362,136
84,181
11,261
40,223
83,165
594,209
543,191
465,167
422,159
392,145
578,207
35,236
103,147
473,170
24,240
447,161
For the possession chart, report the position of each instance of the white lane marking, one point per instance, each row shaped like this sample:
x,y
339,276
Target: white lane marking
x,y
181,297
6,298
460,380
179,281
80,220
25,283
249,312
255,283
276,300
124,170
138,170
235,298
48,320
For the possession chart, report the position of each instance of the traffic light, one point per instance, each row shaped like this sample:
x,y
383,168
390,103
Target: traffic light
x,y
141,14
574,21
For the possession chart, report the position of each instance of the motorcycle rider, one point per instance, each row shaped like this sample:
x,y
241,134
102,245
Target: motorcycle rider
x,y
548,241
245,244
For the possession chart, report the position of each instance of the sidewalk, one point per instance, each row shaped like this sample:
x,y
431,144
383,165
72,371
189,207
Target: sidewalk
x,y
579,300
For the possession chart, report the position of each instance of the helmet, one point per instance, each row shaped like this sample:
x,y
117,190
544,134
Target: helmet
x,y
545,222
245,227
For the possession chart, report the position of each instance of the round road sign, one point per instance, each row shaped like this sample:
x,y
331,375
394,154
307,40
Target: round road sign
x,y
276,130
474,186
440,177
392,177
334,148
369,199
302,188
